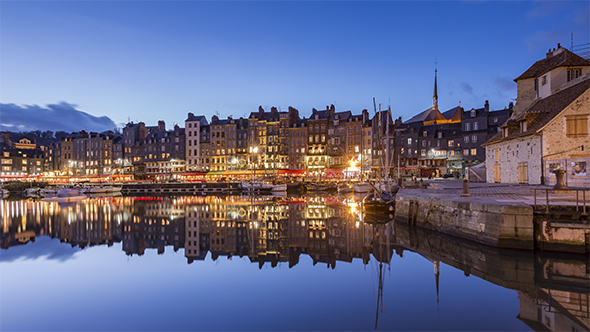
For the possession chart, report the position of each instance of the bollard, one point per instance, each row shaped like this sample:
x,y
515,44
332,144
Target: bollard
x,y
465,189
421,184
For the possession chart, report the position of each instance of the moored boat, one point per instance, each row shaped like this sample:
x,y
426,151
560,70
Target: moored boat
x,y
66,195
104,189
361,187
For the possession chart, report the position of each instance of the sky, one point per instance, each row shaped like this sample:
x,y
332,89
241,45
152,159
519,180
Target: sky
x,y
158,60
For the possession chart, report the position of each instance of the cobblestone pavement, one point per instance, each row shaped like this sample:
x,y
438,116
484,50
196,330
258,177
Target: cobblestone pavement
x,y
506,192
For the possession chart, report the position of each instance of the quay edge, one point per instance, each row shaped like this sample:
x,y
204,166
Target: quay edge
x,y
503,225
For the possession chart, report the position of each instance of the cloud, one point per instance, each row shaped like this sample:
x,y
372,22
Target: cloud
x,y
43,247
504,83
545,9
504,86
61,116
467,88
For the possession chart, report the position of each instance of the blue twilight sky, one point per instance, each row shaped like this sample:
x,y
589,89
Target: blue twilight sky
x,y
152,60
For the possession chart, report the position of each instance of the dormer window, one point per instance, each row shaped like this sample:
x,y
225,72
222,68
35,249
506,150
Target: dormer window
x,y
425,133
523,126
543,80
504,132
472,113
573,73
439,134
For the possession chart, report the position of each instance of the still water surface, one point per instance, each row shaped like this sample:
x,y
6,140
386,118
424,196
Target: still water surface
x,y
239,263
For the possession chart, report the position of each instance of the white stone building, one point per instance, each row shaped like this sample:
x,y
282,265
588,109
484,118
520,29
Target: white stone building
x,y
193,140
549,127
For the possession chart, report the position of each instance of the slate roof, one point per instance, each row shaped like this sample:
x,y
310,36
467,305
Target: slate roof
x,y
563,59
454,113
541,112
201,118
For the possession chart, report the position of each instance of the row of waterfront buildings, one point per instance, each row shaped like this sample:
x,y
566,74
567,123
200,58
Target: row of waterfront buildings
x,y
547,129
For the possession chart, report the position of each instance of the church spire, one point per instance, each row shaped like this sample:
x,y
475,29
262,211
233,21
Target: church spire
x,y
435,96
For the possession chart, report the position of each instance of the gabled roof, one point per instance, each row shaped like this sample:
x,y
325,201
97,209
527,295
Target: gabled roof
x,y
564,58
454,114
430,114
542,111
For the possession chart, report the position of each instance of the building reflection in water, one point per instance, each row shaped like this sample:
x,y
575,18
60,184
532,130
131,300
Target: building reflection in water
x,y
553,289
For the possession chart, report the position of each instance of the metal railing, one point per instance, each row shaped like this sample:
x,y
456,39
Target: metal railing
x,y
577,190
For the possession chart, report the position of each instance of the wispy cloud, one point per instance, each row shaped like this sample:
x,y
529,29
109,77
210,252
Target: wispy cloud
x,y
544,9
61,116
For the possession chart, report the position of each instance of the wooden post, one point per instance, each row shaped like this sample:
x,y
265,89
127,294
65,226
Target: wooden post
x,y
465,189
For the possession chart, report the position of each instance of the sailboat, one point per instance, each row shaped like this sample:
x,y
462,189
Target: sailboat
x,y
382,197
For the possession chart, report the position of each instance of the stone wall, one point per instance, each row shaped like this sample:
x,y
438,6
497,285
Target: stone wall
x,y
486,221
511,153
525,95
564,150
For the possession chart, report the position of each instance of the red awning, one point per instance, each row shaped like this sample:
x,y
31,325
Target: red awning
x,y
194,173
292,172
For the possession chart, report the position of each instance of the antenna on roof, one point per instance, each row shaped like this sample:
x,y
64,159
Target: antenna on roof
x,y
572,47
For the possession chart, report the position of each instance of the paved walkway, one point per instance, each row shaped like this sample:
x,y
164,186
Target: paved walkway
x,y
506,192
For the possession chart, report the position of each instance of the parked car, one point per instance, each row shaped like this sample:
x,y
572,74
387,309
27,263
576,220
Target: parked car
x,y
448,175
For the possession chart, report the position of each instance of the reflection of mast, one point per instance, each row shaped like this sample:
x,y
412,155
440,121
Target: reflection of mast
x,y
379,294
436,277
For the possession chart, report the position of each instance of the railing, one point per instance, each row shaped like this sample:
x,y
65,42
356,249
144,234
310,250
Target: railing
x,y
577,190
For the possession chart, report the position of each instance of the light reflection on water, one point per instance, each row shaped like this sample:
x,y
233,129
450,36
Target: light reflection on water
x,y
312,263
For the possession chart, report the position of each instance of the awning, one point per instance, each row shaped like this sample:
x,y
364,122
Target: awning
x,y
333,170
215,173
194,173
292,172
242,172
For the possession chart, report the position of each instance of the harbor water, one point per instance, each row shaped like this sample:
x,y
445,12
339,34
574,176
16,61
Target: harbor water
x,y
267,263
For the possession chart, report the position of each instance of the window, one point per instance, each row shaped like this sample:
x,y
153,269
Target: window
x,y
523,126
496,155
473,152
423,142
472,113
576,125
473,138
467,126
423,152
451,144
495,120
497,177
409,141
573,73
424,133
466,139
440,134
466,152
475,125
543,80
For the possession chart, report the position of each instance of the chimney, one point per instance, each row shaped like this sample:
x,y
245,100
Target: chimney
x,y
214,118
549,53
176,127
486,106
161,125
190,115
